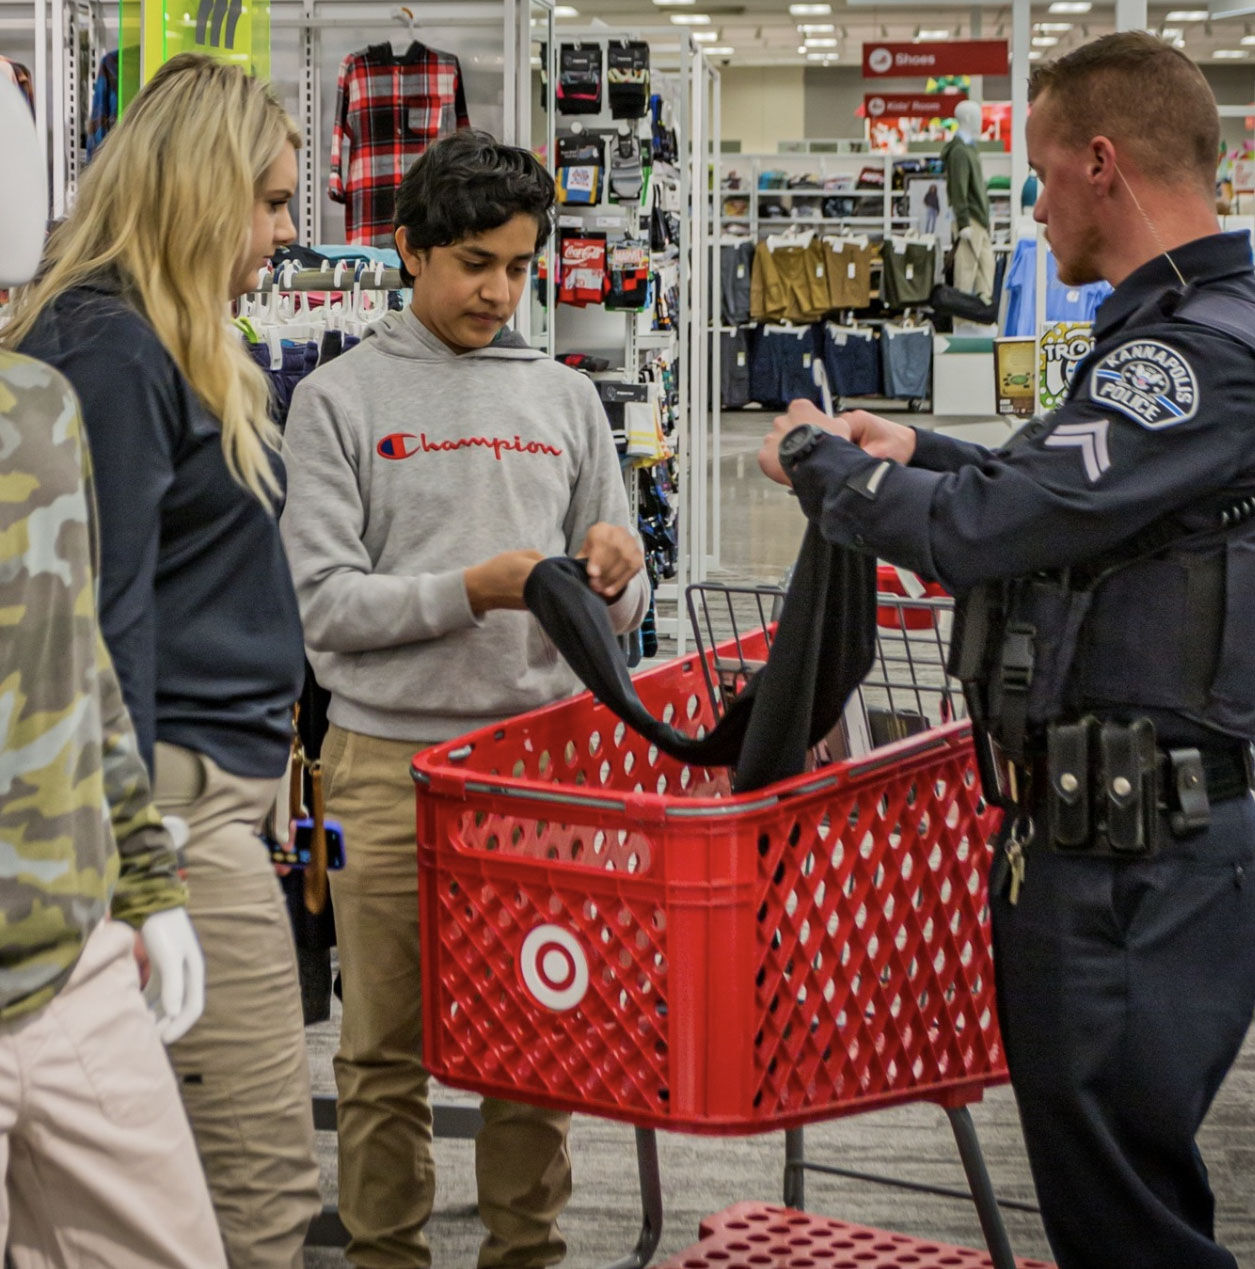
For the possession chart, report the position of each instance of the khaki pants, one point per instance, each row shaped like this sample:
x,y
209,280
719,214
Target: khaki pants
x,y
974,262
242,1068
387,1172
98,1161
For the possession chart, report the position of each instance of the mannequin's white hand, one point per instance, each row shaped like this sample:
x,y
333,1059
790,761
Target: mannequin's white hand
x,y
178,970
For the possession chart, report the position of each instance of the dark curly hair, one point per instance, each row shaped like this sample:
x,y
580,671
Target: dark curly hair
x,y
467,183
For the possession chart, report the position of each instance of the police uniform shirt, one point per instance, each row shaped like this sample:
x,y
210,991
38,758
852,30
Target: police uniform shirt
x,y
1158,417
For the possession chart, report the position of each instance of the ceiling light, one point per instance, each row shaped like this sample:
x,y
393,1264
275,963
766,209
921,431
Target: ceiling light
x,y
820,57
1188,15
1048,28
809,10
1248,39
690,19
1229,53
565,11
674,4
1036,55
934,33
815,28
706,37
1045,41
719,50
1070,6
1171,33
801,48
819,41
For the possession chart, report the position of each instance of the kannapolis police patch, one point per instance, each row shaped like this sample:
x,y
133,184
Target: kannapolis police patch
x,y
1149,382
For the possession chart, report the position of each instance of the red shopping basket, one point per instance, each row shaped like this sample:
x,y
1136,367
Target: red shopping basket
x,y
609,930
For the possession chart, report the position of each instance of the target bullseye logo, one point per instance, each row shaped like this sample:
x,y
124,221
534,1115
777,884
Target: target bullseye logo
x,y
554,967
875,107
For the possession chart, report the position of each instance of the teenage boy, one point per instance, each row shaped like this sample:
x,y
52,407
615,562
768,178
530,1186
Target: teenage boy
x,y
428,471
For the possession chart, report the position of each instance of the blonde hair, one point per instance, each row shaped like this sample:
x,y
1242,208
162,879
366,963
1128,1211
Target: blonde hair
x,y
167,205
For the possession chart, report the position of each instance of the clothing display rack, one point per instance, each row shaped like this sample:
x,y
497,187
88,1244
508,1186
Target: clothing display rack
x,y
659,344
61,42
508,52
858,202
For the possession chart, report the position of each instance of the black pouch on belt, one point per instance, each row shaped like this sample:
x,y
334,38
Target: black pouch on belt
x,y
1127,820
1071,748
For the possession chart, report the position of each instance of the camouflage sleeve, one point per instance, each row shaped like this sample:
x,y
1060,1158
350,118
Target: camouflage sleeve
x,y
149,880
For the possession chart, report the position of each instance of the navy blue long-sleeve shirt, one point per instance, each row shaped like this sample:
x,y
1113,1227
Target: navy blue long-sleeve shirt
x,y
196,598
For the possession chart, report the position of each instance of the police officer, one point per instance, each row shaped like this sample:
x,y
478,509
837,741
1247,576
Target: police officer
x,y
1104,562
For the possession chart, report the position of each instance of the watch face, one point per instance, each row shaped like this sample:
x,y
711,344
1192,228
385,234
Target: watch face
x,y
798,441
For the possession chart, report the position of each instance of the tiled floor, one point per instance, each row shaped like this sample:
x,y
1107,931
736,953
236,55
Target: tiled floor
x,y
761,528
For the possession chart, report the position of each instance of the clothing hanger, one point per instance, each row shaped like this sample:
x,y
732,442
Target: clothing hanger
x,y
405,15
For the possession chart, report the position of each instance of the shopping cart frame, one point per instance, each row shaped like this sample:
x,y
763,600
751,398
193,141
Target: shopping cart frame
x,y
451,777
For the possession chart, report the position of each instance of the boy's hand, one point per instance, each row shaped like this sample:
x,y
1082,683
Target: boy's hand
x,y
613,558
498,582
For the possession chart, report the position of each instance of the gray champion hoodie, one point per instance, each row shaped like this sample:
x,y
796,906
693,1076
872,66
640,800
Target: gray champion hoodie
x,y
407,463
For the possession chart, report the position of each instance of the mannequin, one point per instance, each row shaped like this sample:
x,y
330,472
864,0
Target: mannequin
x,y
122,1184
969,204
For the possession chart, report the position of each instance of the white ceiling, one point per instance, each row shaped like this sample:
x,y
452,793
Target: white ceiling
x,y
762,32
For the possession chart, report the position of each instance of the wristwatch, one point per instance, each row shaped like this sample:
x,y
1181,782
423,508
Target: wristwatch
x,y
798,443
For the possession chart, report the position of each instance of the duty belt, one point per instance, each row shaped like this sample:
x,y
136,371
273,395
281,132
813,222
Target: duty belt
x,y
1110,789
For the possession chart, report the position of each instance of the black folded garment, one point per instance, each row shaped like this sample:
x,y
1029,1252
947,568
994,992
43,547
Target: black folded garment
x,y
952,302
824,646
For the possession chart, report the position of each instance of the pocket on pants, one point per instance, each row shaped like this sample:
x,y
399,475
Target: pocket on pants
x,y
102,1017
180,777
334,759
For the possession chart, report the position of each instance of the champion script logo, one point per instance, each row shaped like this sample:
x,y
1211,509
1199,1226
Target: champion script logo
x,y
399,445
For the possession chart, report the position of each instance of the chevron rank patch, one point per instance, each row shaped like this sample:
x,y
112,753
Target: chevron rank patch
x,y
1090,439
1149,382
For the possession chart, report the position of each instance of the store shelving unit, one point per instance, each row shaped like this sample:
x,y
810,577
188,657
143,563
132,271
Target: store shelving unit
x,y
875,210
681,75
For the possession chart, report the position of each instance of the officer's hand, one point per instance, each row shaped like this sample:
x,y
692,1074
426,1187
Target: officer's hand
x,y
800,412
498,582
613,558
880,437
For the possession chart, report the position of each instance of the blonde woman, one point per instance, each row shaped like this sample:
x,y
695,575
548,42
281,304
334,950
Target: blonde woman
x,y
183,203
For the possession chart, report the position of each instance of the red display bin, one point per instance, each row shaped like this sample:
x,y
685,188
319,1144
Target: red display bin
x,y
892,614
611,931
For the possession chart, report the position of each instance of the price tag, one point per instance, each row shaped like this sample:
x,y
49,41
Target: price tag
x,y
851,271
910,272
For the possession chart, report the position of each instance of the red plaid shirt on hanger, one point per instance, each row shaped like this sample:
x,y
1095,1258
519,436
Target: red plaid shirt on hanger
x,y
391,108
